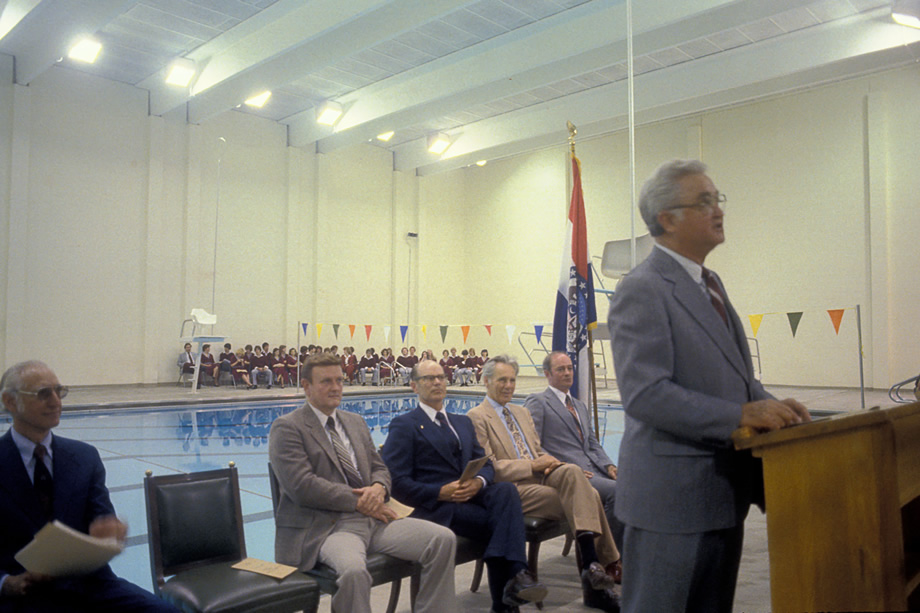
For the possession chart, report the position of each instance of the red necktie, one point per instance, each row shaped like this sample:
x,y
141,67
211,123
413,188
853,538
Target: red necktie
x,y
715,295
571,407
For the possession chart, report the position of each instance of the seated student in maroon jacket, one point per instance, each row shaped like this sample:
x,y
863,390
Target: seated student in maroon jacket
x,y
208,365
448,365
349,363
261,364
279,367
290,361
240,369
385,364
368,366
474,363
404,364
227,358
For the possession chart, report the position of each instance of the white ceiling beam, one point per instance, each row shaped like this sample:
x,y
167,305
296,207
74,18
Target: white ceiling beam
x,y
822,54
309,39
524,59
46,32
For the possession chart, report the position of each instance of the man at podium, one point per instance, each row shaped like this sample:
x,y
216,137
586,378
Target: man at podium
x,y
686,381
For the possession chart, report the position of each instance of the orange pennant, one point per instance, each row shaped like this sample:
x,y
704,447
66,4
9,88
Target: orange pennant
x,y
466,332
836,317
488,329
367,330
351,329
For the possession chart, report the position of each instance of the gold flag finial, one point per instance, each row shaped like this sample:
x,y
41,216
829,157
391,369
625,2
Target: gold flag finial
x,y
572,132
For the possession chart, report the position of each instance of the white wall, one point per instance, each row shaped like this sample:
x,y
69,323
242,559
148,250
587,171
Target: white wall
x,y
108,218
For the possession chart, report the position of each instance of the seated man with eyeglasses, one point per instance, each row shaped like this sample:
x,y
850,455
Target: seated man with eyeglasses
x,y
426,452
47,477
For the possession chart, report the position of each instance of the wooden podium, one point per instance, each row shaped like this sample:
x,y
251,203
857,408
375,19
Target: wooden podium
x,y
843,511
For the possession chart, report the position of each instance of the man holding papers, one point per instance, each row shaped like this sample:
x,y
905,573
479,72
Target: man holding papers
x,y
46,478
426,452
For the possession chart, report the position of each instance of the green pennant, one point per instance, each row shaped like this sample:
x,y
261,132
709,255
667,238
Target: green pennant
x,y
794,319
443,333
335,330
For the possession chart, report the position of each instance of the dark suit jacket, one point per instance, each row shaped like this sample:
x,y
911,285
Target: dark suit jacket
x,y
80,495
683,376
314,491
558,432
420,465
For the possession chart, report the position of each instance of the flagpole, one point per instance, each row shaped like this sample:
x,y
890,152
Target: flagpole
x,y
572,132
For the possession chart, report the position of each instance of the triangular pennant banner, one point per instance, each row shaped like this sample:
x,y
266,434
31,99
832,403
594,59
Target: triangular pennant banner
x,y
443,333
351,328
304,328
538,330
402,331
755,323
367,330
319,330
794,319
489,329
836,317
466,332
386,334
510,330
425,332
335,330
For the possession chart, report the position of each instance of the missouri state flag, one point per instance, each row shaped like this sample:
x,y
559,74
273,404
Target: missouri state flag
x,y
576,312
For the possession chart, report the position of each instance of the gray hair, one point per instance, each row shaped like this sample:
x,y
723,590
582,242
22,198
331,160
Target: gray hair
x,y
489,368
12,378
661,190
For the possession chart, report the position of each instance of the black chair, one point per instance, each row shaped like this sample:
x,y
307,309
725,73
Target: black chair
x,y
195,534
383,568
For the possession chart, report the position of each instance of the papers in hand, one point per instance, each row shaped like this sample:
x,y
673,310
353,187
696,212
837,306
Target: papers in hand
x,y
60,551
473,468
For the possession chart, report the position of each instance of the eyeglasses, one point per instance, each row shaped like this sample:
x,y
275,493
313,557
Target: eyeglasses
x,y
45,393
431,378
707,203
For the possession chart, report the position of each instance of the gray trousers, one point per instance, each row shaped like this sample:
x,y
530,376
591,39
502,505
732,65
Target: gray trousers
x,y
417,540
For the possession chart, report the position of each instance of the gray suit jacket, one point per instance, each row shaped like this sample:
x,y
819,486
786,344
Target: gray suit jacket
x,y
313,490
558,432
683,376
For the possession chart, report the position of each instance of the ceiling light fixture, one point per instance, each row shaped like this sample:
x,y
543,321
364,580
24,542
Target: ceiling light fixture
x,y
386,136
329,113
481,163
87,50
906,13
438,143
260,100
181,72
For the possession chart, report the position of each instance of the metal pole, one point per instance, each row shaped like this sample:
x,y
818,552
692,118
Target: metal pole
x,y
862,380
631,113
220,157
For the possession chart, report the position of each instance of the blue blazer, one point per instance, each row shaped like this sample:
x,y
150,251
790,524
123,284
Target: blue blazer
x,y
80,495
419,464
683,376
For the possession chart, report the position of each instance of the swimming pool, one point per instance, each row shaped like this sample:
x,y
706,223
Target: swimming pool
x,y
191,438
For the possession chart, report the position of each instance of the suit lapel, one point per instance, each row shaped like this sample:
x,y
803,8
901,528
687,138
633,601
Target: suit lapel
x,y
564,414
691,297
497,425
317,431
427,429
15,481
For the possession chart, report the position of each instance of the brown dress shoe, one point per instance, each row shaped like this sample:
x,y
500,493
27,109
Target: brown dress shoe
x,y
523,587
615,570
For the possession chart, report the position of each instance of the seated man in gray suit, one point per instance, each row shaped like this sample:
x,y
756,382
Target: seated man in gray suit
x,y
684,371
563,424
333,489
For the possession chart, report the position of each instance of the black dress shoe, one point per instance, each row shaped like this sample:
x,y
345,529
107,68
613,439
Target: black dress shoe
x,y
505,610
596,577
523,588
605,600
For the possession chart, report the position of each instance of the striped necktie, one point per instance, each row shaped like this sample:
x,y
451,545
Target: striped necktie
x,y
715,295
351,473
571,407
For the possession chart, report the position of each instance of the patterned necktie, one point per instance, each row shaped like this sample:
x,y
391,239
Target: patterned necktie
x,y
351,473
571,407
44,486
715,295
516,436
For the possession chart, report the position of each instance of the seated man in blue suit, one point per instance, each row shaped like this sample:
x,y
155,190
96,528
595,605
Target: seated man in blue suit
x,y
426,452
686,379
563,424
47,477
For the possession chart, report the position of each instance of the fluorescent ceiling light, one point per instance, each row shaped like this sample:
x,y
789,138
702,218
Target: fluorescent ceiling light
x,y
260,100
181,72
438,143
386,136
906,13
85,51
329,113
481,163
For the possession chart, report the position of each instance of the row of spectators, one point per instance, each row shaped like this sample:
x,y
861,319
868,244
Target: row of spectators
x,y
279,366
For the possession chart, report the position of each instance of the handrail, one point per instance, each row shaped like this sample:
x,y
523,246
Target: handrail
x,y
895,392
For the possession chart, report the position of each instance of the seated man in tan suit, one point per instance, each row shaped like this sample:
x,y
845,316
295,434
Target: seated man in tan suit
x,y
548,488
